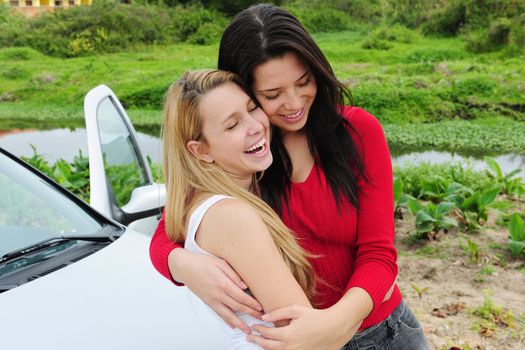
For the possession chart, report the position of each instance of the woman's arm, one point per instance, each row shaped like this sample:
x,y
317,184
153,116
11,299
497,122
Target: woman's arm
x,y
234,231
210,278
375,262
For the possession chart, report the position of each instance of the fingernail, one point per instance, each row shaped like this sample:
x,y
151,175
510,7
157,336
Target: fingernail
x,y
265,317
243,285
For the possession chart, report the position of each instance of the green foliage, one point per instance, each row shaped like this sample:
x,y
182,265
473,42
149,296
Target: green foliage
x,y
320,18
474,251
73,176
13,26
232,7
152,97
108,27
431,218
446,20
479,86
420,291
382,37
443,175
459,135
517,235
473,206
15,73
399,198
124,179
509,183
207,34
436,188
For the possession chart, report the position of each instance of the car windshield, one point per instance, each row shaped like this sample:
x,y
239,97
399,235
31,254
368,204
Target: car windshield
x,y
32,210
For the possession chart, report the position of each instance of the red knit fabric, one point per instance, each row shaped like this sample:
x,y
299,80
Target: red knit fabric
x,y
352,248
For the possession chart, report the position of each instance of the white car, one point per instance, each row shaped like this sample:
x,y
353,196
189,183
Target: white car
x,y
72,276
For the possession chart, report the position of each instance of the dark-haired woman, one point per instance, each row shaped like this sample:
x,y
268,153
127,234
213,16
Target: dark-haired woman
x,y
331,183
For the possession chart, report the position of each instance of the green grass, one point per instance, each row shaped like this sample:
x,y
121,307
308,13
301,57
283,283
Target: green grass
x,y
430,92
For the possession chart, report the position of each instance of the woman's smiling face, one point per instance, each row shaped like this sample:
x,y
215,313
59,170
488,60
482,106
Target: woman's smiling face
x,y
236,133
286,88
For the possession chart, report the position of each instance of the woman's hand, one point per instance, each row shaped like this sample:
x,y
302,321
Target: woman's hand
x,y
308,329
215,283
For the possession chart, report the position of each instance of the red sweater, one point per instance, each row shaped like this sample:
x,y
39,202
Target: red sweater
x,y
352,249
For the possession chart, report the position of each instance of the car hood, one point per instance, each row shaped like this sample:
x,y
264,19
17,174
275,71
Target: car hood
x,y
113,299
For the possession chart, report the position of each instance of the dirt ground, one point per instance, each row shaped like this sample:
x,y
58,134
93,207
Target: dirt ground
x,y
462,300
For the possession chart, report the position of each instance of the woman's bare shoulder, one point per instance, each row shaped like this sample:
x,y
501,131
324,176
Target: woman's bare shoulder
x,y
230,221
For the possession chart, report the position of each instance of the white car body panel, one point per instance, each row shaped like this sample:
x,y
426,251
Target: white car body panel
x,y
113,299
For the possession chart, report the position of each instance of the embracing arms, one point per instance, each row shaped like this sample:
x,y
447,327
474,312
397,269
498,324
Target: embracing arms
x,y
234,231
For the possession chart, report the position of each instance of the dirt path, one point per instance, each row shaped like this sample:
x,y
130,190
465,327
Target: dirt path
x,y
464,302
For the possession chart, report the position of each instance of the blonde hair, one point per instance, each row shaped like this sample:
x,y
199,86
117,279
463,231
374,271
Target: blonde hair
x,y
188,178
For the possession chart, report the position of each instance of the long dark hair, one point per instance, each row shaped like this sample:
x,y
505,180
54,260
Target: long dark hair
x,y
263,32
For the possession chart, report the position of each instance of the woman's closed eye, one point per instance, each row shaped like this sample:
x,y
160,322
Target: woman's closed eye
x,y
304,83
271,98
232,125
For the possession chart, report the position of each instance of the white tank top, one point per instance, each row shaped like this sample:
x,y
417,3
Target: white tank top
x,y
237,338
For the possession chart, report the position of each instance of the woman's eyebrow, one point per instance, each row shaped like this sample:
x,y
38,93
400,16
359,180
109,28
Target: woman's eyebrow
x,y
274,89
231,116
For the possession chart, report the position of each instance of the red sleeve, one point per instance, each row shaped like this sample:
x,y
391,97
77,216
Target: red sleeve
x,y
159,249
375,260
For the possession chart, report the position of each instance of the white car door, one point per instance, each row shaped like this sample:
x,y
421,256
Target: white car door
x,y
121,183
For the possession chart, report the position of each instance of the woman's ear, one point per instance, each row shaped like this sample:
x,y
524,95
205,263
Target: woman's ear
x,y
200,151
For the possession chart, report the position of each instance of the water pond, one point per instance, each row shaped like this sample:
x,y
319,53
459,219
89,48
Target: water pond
x,y
66,143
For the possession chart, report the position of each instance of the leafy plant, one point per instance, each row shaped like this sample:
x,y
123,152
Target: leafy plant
x,y
432,218
473,206
73,176
516,235
509,182
400,199
419,291
474,251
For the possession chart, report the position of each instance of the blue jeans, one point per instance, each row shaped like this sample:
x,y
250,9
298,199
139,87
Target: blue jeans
x,y
400,331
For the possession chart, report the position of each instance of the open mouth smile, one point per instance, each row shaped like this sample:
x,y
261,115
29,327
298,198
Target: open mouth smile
x,y
257,148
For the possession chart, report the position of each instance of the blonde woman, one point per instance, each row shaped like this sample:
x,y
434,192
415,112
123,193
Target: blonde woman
x,y
215,140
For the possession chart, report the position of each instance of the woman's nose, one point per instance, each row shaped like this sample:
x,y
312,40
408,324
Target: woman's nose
x,y
292,102
255,126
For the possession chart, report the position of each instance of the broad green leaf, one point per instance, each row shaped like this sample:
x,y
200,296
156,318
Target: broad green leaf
x,y
512,173
447,221
398,190
516,248
414,205
456,199
494,166
423,216
424,227
516,228
488,197
444,208
471,202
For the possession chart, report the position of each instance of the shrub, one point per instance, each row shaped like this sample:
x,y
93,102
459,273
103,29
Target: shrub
x,y
321,19
207,34
447,20
499,32
374,43
13,27
517,32
152,97
479,86
110,27
186,20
